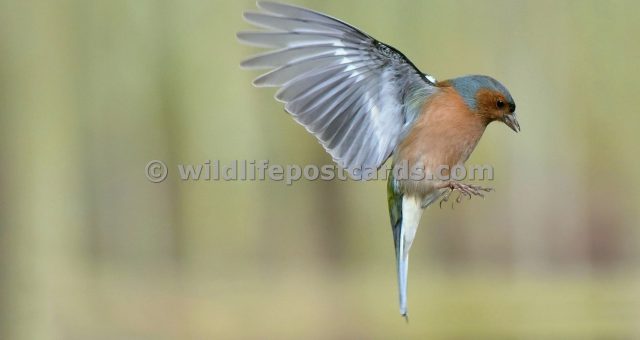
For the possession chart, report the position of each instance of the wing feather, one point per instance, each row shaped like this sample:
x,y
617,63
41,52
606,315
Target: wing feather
x,y
357,95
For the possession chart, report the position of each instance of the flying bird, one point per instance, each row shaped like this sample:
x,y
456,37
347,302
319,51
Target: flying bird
x,y
365,101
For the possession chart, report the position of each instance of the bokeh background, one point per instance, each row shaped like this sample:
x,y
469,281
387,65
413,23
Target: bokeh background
x,y
90,91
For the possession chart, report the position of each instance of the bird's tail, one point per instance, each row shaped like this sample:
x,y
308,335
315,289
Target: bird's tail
x,y
405,212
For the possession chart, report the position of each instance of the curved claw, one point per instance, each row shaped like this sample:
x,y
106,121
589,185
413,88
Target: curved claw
x,y
445,197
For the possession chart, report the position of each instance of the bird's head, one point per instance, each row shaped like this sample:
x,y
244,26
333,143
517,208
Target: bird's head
x,y
488,98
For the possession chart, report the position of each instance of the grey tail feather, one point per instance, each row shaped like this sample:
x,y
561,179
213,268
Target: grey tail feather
x,y
402,268
395,213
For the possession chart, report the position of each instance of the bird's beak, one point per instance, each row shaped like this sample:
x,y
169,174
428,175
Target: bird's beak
x,y
512,122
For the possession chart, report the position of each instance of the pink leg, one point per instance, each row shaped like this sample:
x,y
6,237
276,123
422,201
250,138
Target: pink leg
x,y
467,190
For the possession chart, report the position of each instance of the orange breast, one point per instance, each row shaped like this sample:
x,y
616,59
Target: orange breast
x,y
445,133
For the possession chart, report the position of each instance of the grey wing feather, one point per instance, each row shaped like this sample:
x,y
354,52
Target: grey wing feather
x,y
357,95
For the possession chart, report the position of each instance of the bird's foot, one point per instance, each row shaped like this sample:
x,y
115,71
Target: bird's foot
x,y
464,190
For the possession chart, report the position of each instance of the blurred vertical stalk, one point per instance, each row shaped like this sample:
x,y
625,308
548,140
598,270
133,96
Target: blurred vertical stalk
x,y
127,103
42,205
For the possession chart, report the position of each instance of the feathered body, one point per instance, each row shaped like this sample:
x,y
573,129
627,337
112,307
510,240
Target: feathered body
x,y
443,135
365,101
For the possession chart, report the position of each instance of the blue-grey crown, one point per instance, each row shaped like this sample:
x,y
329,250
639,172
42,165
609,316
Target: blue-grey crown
x,y
468,86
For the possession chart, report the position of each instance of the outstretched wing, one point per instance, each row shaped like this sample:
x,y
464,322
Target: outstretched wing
x,y
354,93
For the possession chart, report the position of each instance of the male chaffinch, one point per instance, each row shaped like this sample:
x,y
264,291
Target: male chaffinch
x,y
365,101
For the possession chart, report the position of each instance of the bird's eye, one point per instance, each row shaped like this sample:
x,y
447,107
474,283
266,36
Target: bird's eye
x,y
500,104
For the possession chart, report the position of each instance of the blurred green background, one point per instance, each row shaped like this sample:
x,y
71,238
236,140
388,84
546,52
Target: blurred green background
x,y
90,91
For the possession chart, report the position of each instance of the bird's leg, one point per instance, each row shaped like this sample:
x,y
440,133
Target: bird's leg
x,y
467,190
